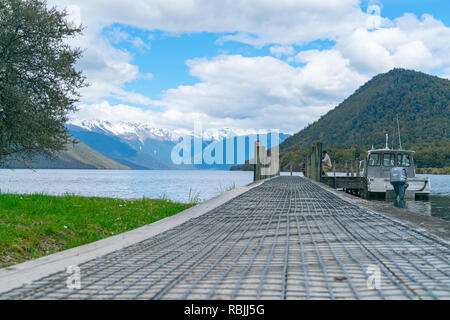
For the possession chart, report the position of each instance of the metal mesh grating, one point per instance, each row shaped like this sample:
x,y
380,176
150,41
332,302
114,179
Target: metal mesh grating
x,y
285,239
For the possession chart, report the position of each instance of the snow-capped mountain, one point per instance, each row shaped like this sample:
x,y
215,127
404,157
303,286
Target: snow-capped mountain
x,y
140,131
128,129
140,146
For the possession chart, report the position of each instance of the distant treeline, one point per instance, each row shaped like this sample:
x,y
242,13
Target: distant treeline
x,y
445,170
434,155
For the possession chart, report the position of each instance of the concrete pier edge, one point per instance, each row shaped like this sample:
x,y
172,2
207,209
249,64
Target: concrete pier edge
x,y
21,274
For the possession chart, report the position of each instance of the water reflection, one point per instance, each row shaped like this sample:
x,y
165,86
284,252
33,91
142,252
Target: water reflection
x,y
421,207
436,206
400,203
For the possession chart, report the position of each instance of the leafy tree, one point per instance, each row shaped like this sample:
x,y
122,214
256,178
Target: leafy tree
x,y
38,80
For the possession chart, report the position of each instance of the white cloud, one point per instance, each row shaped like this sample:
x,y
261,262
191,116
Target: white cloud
x,y
261,92
148,76
169,118
280,21
116,35
107,68
279,51
140,44
408,43
247,92
446,73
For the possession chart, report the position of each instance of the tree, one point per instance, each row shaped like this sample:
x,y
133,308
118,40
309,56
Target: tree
x,y
38,80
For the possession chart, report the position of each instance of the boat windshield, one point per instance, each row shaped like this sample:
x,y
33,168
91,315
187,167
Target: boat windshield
x,y
403,160
374,159
388,159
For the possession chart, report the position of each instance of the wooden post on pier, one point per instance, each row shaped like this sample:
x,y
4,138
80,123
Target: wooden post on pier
x,y
347,168
334,174
308,165
313,162
257,165
290,168
263,168
319,157
358,173
307,159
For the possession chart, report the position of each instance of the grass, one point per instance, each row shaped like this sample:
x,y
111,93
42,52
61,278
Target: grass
x,y
194,197
226,189
36,225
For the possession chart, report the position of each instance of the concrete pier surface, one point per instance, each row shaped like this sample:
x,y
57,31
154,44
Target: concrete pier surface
x,y
286,238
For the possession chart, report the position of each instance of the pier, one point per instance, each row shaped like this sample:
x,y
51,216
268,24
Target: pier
x,y
279,238
352,182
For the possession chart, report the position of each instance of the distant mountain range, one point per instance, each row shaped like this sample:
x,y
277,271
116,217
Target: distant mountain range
x,y
127,145
421,102
139,146
77,156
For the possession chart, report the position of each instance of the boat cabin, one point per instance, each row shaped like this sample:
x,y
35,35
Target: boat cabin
x,y
379,162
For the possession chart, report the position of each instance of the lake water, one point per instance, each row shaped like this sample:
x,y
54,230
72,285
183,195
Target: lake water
x,y
439,203
178,185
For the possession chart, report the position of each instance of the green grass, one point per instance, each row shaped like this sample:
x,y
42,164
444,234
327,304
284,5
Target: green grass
x,y
194,197
36,225
226,189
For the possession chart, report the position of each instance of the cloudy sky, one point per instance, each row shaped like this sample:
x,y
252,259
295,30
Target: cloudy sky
x,y
262,64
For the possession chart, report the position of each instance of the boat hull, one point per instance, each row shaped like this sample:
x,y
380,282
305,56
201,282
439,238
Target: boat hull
x,y
382,188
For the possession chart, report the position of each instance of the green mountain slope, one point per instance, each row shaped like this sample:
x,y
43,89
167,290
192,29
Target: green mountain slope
x,y
78,156
421,101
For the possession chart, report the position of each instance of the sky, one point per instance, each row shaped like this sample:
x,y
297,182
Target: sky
x,y
241,64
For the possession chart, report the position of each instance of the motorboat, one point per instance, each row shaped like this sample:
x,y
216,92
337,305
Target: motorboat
x,y
378,170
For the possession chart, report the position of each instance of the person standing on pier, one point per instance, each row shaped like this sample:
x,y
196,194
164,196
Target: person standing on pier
x,y
326,162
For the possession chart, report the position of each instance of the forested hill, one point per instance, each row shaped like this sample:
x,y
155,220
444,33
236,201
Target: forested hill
x,y
421,102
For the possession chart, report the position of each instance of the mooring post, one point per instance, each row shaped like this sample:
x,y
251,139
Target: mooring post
x,y
365,191
334,174
262,162
313,164
290,167
351,168
319,156
347,168
306,173
308,165
358,173
257,165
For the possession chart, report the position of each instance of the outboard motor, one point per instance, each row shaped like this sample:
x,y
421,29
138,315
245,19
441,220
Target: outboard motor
x,y
398,180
